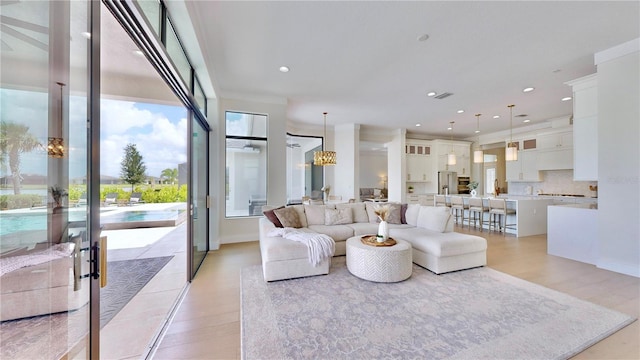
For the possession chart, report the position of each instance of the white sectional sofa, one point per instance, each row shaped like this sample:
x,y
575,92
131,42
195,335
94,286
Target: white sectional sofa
x,y
429,229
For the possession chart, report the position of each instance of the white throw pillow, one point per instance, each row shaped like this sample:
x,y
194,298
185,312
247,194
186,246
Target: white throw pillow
x,y
412,214
315,214
434,218
338,216
359,212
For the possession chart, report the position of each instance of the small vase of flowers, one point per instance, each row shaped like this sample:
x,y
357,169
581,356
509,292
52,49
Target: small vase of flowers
x,y
382,211
472,186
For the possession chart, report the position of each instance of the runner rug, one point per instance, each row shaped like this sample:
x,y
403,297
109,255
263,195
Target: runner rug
x,y
473,314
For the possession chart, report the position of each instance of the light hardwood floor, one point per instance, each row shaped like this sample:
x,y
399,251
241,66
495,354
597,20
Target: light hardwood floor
x,y
207,324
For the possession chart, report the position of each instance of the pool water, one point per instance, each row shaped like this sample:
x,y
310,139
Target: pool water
x,y
141,215
12,223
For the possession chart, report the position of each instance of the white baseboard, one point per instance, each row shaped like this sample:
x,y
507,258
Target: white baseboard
x,y
623,268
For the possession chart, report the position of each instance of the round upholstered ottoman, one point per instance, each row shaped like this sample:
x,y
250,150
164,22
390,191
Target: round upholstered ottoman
x,y
379,263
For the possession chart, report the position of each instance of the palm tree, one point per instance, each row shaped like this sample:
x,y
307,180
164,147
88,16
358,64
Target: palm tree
x,y
169,175
15,139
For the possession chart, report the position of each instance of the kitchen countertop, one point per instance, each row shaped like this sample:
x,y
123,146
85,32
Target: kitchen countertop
x,y
579,206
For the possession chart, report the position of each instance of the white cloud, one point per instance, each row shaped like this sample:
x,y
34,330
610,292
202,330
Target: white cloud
x,y
119,117
161,142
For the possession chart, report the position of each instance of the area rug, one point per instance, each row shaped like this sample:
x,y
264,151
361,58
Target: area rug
x,y
125,278
473,314
50,336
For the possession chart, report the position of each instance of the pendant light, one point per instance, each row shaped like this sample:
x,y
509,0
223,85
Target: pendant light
x,y
478,154
55,145
511,151
323,158
451,158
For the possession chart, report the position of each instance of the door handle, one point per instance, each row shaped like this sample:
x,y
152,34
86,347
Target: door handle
x,y
99,261
103,261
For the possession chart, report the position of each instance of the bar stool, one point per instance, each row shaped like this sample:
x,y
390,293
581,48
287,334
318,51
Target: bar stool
x,y
458,207
477,209
498,211
440,200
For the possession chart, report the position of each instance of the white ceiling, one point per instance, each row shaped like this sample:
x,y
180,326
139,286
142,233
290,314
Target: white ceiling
x,y
362,63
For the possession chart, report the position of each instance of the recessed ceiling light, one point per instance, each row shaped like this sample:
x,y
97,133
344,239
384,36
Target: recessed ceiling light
x,y
86,35
526,120
566,98
432,93
496,116
418,125
284,69
423,37
449,128
138,52
529,89
460,111
477,131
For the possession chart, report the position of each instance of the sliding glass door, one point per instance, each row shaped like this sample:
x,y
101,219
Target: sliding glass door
x,y
199,195
44,59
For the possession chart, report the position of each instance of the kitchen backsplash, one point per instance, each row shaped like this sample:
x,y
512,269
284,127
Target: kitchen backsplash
x,y
554,182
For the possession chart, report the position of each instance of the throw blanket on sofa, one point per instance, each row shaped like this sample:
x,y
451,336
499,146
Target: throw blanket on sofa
x,y
11,263
321,246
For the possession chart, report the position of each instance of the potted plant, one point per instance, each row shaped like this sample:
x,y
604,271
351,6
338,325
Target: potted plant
x,y
57,193
56,221
410,189
473,185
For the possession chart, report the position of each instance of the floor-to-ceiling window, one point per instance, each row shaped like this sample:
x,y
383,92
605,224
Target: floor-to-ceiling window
x,y
246,164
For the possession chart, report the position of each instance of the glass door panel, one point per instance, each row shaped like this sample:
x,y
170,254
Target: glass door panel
x,y
143,195
43,171
199,193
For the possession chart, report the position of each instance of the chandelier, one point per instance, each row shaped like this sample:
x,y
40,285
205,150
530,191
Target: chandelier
x,y
323,158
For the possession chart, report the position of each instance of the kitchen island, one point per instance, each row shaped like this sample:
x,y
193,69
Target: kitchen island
x,y
530,217
573,231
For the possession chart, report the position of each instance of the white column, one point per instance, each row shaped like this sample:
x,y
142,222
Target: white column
x,y
397,167
346,177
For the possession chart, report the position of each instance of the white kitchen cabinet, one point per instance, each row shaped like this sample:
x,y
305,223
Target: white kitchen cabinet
x,y
463,159
422,199
585,128
419,168
419,161
559,140
561,159
525,168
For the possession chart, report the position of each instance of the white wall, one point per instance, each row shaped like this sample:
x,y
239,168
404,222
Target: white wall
x,y
618,160
246,229
346,182
373,166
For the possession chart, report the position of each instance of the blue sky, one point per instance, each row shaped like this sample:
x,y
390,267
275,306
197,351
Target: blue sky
x,y
159,132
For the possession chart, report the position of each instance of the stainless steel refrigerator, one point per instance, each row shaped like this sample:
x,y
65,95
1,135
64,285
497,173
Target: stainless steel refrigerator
x,y
447,182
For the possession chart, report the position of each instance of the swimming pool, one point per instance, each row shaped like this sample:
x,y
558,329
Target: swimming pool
x,y
109,219
142,218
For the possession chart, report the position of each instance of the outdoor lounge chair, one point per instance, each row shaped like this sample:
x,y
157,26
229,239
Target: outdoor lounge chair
x,y
82,200
111,199
135,198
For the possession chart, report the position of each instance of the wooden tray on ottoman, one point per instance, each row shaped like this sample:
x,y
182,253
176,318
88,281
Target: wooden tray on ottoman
x,y
371,241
